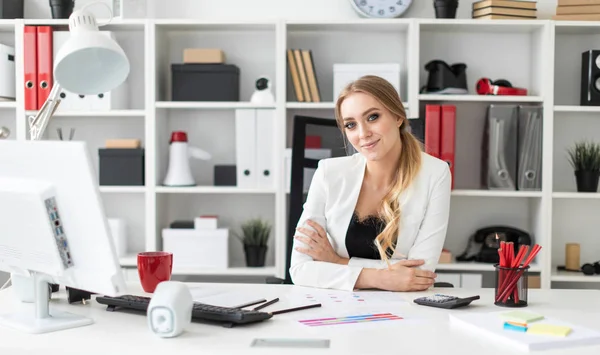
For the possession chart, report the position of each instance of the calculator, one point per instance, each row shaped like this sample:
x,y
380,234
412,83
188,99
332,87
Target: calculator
x,y
445,301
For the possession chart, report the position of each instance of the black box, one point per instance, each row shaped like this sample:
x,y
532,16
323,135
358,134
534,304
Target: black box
x,y
205,82
11,9
122,167
225,175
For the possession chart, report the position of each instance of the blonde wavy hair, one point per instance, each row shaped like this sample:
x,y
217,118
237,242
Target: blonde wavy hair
x,y
410,156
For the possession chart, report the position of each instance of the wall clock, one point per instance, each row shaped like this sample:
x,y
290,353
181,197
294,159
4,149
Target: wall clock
x,y
381,8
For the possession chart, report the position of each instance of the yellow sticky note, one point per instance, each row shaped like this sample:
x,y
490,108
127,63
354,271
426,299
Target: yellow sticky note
x,y
549,329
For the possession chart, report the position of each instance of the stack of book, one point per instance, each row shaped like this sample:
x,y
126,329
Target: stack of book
x,y
504,10
577,10
304,75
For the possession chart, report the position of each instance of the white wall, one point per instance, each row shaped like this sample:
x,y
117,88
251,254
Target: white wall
x,y
265,9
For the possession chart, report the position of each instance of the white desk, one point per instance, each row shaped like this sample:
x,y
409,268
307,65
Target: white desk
x,y
125,333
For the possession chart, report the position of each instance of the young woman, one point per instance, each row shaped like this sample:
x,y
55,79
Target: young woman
x,y
378,218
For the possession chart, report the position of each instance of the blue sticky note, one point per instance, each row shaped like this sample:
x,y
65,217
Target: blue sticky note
x,y
517,328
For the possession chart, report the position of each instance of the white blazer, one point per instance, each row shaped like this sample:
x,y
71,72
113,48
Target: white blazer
x,y
332,199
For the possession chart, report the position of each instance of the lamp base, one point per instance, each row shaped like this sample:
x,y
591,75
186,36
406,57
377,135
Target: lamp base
x,y
27,322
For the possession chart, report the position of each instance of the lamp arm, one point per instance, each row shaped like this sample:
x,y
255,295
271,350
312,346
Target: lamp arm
x,y
39,122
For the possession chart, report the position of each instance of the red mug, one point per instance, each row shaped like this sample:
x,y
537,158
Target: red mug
x,y
154,267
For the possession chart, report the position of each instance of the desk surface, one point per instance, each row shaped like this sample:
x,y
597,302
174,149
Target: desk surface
x,y
424,330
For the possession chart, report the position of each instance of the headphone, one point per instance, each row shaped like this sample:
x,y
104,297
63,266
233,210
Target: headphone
x,y
486,86
590,269
586,269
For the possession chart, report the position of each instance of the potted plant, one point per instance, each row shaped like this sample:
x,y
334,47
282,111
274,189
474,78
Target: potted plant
x,y
585,158
255,235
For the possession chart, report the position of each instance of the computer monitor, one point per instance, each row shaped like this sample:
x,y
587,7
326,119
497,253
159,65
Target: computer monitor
x,y
53,228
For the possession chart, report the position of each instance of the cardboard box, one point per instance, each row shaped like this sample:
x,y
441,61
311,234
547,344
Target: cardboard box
x,y
203,55
123,143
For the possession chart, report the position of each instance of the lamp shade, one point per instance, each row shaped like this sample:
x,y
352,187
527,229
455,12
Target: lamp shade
x,y
89,62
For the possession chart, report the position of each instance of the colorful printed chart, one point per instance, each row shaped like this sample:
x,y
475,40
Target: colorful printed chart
x,y
350,319
347,298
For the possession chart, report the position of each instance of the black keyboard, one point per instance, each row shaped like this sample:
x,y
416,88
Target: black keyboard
x,y
201,312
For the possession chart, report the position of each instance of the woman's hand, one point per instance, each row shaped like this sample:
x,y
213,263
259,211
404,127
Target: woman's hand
x,y
404,276
319,247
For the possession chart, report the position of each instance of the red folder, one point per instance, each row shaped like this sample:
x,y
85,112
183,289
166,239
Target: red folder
x,y
432,130
45,54
448,137
30,66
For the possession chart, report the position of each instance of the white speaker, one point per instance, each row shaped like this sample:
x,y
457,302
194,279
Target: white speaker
x,y
170,309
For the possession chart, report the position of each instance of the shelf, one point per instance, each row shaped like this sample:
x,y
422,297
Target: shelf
x,y
114,25
318,105
122,189
7,25
568,276
474,266
496,193
225,105
233,271
8,104
361,25
481,26
310,105
479,98
131,261
113,113
193,24
574,108
576,195
212,190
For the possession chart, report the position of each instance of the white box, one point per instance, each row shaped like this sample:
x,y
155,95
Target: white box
x,y
7,72
197,248
116,99
206,222
313,153
345,73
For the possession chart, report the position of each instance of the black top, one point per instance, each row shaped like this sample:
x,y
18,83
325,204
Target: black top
x,y
360,238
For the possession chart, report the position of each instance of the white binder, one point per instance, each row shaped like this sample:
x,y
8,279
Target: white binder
x,y
265,132
254,138
245,148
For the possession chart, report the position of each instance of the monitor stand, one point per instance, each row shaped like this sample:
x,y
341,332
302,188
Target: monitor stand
x,y
40,319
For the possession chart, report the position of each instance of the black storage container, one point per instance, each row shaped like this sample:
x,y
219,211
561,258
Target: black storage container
x,y
11,9
205,82
122,167
225,175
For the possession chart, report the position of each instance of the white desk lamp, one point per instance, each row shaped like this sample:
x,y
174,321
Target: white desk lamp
x,y
89,63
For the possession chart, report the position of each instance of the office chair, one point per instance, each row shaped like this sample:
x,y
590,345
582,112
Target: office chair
x,y
302,125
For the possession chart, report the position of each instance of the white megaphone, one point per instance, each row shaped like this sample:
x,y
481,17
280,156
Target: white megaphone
x,y
179,172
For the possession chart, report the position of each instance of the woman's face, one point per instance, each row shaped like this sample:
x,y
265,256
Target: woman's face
x,y
369,126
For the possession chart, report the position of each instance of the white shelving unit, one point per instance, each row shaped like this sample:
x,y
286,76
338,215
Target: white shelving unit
x,y
541,55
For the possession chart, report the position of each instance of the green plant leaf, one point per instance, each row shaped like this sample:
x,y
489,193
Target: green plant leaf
x,y
584,156
255,232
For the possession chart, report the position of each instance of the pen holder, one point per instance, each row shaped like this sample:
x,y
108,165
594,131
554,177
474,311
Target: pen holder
x,y
511,286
